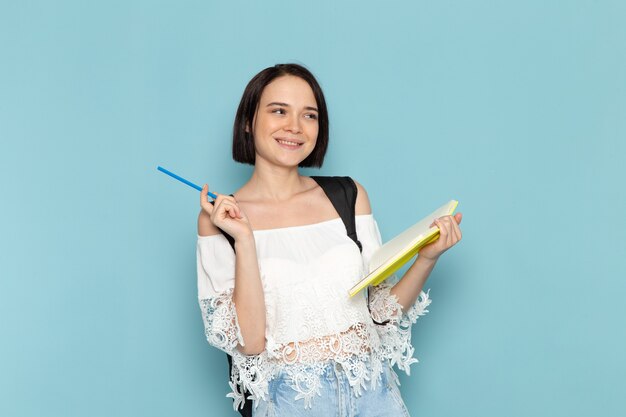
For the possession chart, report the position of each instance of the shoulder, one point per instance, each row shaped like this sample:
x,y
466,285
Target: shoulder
x,y
206,226
362,200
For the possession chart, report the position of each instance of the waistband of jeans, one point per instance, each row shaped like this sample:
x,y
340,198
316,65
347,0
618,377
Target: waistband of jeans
x,y
328,368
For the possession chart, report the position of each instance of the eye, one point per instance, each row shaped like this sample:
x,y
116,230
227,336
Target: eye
x,y
311,116
278,110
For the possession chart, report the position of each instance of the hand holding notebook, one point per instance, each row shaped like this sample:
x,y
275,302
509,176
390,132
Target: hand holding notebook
x,y
449,234
392,255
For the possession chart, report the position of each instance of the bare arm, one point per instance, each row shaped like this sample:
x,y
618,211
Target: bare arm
x,y
412,282
248,291
248,297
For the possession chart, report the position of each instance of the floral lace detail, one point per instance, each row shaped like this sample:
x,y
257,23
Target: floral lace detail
x,y
395,335
249,372
361,346
220,322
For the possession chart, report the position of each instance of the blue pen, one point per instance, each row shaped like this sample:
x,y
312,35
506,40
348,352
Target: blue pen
x,y
181,179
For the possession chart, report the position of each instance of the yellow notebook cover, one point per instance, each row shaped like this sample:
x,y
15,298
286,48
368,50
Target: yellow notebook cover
x,y
392,255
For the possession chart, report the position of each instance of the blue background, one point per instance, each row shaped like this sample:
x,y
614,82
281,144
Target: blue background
x,y
516,109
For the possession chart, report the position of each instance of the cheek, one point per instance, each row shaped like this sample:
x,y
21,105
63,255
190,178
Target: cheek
x,y
313,131
263,123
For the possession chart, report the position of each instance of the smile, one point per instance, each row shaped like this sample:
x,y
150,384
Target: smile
x,y
288,144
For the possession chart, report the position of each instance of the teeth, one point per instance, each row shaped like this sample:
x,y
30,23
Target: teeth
x,y
286,142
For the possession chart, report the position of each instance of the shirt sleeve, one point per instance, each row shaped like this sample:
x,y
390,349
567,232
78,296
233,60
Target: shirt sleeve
x,y
216,265
369,236
216,281
394,325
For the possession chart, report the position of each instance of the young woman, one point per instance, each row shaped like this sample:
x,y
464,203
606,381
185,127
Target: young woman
x,y
276,301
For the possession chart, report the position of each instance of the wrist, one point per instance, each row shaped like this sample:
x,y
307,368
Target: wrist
x,y
244,240
426,260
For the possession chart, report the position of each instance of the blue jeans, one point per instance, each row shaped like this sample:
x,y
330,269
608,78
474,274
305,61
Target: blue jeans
x,y
337,399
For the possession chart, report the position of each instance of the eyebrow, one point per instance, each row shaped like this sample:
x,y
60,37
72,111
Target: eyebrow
x,y
275,103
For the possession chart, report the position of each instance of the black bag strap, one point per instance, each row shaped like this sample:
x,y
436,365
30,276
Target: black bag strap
x,y
342,193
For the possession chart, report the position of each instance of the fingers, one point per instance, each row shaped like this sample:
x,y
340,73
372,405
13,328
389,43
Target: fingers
x,y
444,234
204,201
223,204
449,231
455,225
231,209
227,204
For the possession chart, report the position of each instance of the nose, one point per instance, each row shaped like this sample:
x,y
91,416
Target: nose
x,y
293,124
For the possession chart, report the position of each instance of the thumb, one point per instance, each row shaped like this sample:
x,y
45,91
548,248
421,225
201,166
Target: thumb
x,y
204,200
458,217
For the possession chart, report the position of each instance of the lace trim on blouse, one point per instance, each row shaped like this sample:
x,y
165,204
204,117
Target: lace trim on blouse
x,y
355,348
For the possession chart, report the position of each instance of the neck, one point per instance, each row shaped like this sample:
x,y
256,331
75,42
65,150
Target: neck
x,y
271,182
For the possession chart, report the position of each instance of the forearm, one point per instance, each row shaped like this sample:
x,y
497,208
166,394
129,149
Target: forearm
x,y
248,297
409,287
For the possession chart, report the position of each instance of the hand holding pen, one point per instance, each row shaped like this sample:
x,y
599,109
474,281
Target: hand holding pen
x,y
226,214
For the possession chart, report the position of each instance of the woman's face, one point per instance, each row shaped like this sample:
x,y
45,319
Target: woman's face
x,y
285,125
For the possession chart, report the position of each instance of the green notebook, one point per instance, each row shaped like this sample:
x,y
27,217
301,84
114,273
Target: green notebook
x,y
399,250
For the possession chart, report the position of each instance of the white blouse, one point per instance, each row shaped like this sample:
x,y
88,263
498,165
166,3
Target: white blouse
x,y
306,272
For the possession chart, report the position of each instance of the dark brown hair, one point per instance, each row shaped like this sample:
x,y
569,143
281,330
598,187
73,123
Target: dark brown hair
x,y
243,142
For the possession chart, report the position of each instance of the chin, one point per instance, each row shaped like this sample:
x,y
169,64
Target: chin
x,y
289,162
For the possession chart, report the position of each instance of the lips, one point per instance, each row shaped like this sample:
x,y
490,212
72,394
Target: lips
x,y
289,143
